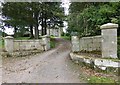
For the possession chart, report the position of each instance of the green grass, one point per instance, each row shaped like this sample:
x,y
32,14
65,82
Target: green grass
x,y
52,43
95,79
22,38
1,43
66,37
52,37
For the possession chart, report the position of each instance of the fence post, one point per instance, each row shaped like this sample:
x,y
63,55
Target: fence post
x,y
9,44
75,43
109,40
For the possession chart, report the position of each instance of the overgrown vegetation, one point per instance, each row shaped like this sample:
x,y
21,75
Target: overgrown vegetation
x,y
66,37
52,42
22,38
26,17
1,43
87,17
95,79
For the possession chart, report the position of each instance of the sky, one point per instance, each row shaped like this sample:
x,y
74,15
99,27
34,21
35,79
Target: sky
x,y
66,10
65,4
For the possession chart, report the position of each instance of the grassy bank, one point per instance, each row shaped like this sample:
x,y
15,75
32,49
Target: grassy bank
x,y
22,38
52,43
95,79
1,43
66,37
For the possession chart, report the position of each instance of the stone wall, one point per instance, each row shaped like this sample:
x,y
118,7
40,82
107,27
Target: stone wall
x,y
28,45
12,45
107,65
106,42
86,43
90,43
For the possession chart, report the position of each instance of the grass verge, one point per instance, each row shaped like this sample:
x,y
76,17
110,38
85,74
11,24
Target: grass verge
x,y
22,38
52,43
1,43
66,37
95,79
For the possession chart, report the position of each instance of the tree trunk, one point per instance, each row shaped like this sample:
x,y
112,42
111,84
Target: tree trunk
x,y
36,32
42,33
45,25
31,32
49,31
15,31
36,25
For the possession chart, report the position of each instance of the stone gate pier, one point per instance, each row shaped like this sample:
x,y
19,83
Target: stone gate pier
x,y
106,43
109,40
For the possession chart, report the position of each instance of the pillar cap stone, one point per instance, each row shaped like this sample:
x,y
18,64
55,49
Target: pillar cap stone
x,y
109,26
9,37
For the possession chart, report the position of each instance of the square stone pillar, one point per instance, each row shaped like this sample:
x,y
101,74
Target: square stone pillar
x,y
9,44
109,40
46,42
59,32
75,44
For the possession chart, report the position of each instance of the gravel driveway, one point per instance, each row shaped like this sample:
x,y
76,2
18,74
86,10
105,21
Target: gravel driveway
x,y
53,66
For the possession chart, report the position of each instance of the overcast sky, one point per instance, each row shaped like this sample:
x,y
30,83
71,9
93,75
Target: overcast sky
x,y
66,6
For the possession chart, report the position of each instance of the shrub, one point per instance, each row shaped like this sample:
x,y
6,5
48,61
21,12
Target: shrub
x,y
52,43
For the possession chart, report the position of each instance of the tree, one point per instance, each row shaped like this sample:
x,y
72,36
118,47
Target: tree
x,y
16,15
87,20
52,12
31,14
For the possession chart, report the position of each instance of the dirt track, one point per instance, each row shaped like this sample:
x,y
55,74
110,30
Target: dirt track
x,y
53,66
